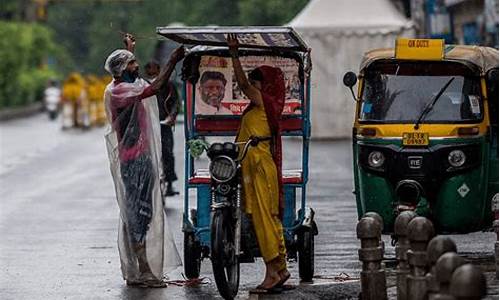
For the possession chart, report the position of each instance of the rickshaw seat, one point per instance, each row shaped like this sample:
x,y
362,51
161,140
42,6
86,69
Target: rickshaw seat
x,y
232,125
292,176
201,176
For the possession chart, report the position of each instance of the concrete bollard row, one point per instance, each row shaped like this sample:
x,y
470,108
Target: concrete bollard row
x,y
429,267
373,282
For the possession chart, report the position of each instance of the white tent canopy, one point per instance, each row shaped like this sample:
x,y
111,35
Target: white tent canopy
x,y
339,32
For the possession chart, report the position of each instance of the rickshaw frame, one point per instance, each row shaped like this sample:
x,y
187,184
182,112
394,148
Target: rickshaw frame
x,y
290,224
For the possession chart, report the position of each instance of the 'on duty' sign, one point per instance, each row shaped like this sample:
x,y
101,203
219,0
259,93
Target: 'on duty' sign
x,y
419,49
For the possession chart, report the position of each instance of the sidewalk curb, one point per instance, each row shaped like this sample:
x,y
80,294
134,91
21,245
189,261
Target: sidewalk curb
x,y
7,114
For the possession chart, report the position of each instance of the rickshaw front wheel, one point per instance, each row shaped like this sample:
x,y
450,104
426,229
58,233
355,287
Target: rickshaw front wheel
x,y
305,242
225,263
192,256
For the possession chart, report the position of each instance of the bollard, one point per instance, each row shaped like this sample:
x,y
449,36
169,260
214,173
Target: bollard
x,y
445,266
468,283
379,219
420,232
438,246
494,209
373,284
402,246
495,228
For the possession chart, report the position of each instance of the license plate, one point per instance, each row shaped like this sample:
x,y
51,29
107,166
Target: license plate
x,y
415,139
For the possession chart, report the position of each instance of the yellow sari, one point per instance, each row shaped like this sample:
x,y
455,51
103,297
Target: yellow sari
x,y
260,187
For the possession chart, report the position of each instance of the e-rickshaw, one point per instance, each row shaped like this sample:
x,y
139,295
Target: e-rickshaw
x,y
425,135
217,227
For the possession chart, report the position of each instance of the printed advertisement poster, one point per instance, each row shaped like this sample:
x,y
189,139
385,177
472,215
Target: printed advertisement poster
x,y
217,91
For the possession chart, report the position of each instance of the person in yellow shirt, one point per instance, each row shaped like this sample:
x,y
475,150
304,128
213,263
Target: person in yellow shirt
x,y
94,94
73,93
261,168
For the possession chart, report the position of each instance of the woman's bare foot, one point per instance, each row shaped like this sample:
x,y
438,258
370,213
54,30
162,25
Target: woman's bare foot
x,y
284,276
272,277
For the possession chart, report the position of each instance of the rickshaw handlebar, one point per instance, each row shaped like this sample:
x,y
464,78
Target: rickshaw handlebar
x,y
252,141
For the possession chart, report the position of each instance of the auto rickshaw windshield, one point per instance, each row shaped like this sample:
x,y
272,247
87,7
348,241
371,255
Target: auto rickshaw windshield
x,y
398,92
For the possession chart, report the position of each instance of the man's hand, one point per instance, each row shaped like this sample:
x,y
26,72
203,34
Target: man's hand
x,y
177,55
170,120
129,41
233,44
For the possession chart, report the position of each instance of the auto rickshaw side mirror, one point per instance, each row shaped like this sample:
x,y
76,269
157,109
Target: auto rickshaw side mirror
x,y
493,75
350,79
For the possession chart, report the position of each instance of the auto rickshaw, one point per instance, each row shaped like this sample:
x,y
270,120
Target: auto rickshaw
x,y
214,223
425,134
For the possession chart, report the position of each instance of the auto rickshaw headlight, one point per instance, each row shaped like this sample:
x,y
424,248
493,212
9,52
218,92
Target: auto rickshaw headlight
x,y
456,158
376,159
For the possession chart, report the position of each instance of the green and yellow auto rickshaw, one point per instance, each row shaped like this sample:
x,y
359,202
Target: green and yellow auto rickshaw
x,y
425,134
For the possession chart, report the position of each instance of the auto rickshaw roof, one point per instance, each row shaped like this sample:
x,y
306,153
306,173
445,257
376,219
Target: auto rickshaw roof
x,y
263,37
485,58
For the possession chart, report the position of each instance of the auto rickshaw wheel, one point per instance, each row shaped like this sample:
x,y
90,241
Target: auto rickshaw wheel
x,y
305,242
192,256
225,264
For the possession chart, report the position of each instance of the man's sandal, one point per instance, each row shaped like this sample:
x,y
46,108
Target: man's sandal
x,y
154,284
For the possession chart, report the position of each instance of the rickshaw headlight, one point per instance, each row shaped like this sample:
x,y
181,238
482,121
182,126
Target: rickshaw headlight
x,y
222,168
456,158
376,159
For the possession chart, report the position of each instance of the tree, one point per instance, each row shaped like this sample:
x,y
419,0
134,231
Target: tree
x,y
90,30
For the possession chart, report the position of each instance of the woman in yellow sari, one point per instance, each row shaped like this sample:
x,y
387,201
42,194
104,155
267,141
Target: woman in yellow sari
x,y
261,167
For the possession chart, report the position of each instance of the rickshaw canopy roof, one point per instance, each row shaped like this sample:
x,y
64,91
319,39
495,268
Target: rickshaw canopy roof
x,y
485,58
263,37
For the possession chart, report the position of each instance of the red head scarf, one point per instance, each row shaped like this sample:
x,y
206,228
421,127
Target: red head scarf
x,y
273,97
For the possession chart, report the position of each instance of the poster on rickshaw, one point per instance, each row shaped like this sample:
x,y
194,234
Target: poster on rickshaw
x,y
217,91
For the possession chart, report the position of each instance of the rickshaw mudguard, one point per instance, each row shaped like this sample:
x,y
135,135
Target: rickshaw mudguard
x,y
308,221
462,204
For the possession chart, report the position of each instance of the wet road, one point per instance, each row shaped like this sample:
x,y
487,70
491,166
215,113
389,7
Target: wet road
x,y
59,219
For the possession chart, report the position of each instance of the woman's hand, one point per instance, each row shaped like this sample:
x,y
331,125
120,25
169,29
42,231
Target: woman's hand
x,y
233,44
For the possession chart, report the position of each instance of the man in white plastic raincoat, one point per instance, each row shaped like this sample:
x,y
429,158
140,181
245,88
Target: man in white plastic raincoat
x,y
146,246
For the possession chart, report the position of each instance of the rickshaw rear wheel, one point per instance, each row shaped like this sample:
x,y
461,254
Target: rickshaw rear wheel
x,y
192,256
305,242
225,262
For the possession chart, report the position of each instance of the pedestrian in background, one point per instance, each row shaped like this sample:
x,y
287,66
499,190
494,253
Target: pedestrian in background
x,y
73,94
168,107
146,250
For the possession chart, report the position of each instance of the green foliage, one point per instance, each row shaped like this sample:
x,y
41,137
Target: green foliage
x,y
23,50
197,147
90,30
9,9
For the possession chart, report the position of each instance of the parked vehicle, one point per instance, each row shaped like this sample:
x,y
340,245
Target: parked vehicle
x,y
425,134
